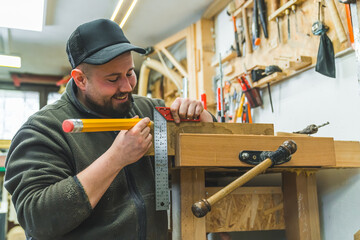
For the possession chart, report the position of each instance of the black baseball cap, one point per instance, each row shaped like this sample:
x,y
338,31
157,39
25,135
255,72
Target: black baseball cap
x,y
97,42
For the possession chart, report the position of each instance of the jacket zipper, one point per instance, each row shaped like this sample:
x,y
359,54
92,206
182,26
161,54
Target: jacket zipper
x,y
139,203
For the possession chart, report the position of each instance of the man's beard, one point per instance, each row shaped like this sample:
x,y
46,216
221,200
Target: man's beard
x,y
107,108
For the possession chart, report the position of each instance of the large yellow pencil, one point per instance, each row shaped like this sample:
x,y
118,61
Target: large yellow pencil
x,y
99,125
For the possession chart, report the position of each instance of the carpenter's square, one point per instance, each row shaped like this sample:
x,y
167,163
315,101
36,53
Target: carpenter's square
x,y
161,116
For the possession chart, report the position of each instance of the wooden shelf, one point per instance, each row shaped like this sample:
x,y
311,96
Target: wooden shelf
x,y
281,11
271,78
229,55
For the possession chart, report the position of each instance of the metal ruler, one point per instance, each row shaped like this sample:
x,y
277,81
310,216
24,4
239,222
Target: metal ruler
x,y
161,162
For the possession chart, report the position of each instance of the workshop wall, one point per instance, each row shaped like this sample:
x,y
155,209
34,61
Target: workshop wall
x,y
311,98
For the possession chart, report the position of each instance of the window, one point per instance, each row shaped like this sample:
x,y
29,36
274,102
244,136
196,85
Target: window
x,y
15,108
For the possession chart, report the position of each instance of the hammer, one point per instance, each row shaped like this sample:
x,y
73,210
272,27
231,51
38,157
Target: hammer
x,y
202,207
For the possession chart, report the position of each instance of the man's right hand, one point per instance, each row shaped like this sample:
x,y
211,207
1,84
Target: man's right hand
x,y
130,145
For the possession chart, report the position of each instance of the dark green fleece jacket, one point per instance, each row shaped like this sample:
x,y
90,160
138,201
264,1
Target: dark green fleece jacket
x,y
50,202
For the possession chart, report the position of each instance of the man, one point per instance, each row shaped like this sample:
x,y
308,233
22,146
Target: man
x,y
91,185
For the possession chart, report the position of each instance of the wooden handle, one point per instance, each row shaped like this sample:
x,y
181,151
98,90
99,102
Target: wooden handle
x,y
337,21
201,208
247,32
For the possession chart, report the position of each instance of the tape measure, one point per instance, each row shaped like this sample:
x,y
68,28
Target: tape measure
x,y
161,162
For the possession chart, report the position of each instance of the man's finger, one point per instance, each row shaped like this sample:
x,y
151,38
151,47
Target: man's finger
x,y
174,108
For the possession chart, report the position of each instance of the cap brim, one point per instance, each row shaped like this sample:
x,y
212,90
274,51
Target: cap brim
x,y
106,54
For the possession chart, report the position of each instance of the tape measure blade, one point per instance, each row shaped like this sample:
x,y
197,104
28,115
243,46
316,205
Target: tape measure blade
x,y
161,162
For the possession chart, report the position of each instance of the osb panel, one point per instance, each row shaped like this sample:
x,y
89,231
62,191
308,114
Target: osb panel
x,y
247,209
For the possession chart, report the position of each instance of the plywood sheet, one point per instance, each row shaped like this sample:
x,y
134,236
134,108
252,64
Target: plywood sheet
x,y
247,209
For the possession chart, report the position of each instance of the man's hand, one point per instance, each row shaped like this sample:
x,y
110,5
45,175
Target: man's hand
x,y
129,146
190,109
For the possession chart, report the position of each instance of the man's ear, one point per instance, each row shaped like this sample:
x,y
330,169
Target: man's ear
x,y
79,77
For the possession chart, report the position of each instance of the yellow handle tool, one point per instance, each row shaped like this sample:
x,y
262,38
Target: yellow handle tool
x,y
99,125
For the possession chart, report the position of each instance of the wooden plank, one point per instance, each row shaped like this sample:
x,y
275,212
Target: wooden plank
x,y
192,64
347,153
214,8
246,209
174,130
192,187
205,44
301,209
357,235
174,62
275,77
223,149
172,39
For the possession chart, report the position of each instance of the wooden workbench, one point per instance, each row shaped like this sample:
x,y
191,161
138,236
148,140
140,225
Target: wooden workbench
x,y
200,148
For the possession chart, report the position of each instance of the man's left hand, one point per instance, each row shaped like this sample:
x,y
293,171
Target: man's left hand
x,y
189,109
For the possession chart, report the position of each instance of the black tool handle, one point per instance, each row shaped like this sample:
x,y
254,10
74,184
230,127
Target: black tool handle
x,y
237,44
263,18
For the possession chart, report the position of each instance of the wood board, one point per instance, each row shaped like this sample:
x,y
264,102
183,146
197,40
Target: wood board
x,y
214,150
174,130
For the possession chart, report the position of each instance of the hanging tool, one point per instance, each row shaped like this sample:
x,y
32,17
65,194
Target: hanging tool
x,y
252,94
263,17
293,9
203,100
349,24
356,29
221,95
255,25
240,108
336,20
275,5
230,11
311,129
318,27
248,43
356,34
257,74
325,63
287,13
264,159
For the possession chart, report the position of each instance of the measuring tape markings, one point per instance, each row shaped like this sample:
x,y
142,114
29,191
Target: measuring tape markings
x,y
161,162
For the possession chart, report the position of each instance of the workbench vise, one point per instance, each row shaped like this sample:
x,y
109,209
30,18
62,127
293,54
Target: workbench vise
x,y
262,160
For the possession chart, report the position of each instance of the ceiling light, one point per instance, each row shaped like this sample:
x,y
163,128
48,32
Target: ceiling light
x,y
22,14
10,61
128,13
116,10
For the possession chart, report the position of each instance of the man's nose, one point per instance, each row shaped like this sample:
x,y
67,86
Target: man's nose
x,y
125,85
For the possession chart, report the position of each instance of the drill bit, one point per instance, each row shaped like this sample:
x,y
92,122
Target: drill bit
x,y
311,129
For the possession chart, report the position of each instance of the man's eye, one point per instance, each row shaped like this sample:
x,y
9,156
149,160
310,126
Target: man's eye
x,y
112,80
129,74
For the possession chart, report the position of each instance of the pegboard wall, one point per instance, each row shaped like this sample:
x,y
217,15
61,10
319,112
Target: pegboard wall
x,y
291,53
